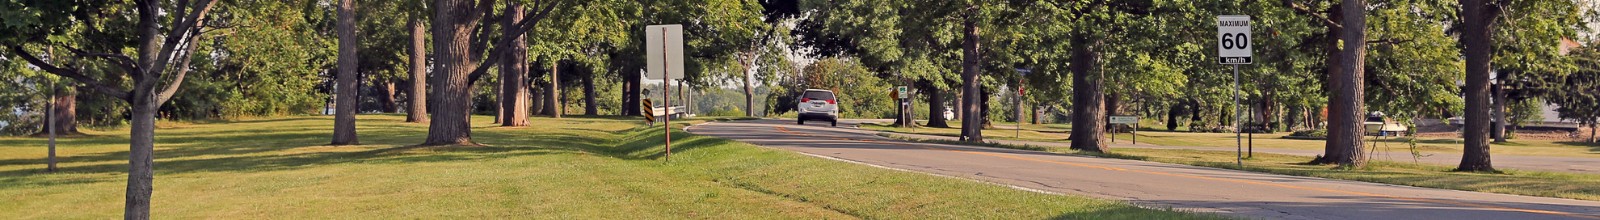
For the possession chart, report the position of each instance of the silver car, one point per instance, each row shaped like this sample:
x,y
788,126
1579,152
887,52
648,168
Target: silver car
x,y
818,105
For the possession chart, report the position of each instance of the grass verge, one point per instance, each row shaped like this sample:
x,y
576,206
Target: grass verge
x,y
577,167
1517,182
1052,132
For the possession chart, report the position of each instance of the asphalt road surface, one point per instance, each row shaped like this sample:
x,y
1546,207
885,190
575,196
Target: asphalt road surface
x,y
1150,184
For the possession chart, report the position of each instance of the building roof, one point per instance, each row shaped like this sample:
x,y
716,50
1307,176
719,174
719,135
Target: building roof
x,y
1567,44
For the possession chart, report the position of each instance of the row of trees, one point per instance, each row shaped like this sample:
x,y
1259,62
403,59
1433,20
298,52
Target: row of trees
x,y
1405,60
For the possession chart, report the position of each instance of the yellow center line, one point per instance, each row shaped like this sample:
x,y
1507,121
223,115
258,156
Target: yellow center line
x,y
1252,182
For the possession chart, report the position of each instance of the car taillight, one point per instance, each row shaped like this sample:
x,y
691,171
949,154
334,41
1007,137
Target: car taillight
x,y
830,102
805,99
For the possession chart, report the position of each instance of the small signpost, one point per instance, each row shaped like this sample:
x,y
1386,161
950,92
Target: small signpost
x,y
1233,47
664,61
1017,109
901,93
1133,120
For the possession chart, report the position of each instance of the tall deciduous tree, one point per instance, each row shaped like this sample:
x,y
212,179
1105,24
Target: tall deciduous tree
x,y
513,74
459,41
147,68
417,107
1478,17
1347,92
344,119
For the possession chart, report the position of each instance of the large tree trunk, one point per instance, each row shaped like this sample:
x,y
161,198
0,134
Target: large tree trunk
x,y
344,118
983,108
1194,114
52,117
1113,107
141,155
1476,36
417,108
553,103
630,96
749,92
1172,116
499,103
453,23
1088,97
590,106
972,119
936,108
537,93
1348,94
513,74
630,91
387,87
1334,147
64,111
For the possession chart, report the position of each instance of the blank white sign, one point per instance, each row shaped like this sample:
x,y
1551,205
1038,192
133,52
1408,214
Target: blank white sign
x,y
664,51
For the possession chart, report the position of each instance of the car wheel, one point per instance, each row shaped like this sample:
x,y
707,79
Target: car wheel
x,y
835,123
800,121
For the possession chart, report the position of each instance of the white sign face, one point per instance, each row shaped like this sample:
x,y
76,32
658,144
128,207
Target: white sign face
x,y
1233,39
904,94
664,51
1124,119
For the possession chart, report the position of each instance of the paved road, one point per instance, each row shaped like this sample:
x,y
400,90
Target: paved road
x,y
1385,151
1189,188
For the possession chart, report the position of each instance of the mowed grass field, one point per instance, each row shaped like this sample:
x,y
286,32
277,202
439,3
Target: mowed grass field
x,y
573,168
1581,186
1060,133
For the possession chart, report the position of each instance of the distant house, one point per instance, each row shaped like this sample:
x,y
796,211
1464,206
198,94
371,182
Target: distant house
x,y
1551,119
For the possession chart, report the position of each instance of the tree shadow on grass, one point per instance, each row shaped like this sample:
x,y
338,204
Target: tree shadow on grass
x,y
649,144
263,163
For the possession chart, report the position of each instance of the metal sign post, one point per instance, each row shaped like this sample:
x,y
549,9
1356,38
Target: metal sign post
x,y
1017,111
1233,47
664,59
1129,120
902,95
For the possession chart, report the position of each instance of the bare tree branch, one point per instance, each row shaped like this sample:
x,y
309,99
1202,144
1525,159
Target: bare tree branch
x,y
113,91
1493,11
1389,41
1316,15
183,68
179,32
512,32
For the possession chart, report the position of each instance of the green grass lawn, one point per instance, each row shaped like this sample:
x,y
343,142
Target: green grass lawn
x,y
1427,145
1510,181
584,168
1060,133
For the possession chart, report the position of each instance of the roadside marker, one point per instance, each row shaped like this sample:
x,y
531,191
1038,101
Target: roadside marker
x,y
649,112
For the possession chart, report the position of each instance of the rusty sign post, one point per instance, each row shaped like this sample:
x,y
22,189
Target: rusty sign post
x,y
664,56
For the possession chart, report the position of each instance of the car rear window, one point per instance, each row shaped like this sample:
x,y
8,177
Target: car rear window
x,y
819,95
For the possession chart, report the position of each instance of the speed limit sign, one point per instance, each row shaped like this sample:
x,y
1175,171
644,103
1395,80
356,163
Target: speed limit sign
x,y
1233,39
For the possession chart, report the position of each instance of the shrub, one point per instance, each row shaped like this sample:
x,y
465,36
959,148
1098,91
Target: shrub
x,y
1319,133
